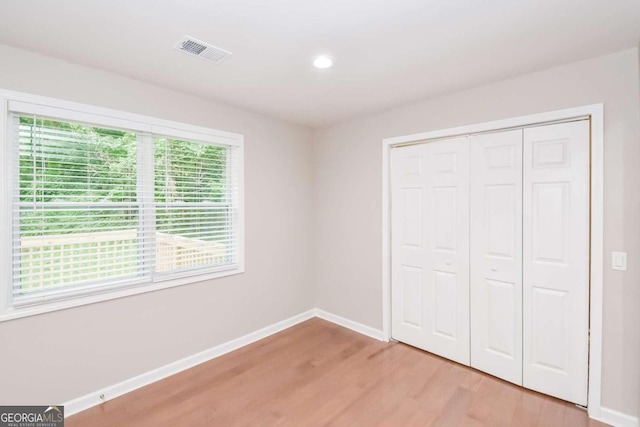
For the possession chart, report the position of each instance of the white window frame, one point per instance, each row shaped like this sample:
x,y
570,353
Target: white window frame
x,y
16,102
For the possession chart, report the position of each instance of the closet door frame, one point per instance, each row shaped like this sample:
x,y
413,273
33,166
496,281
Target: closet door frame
x,y
595,113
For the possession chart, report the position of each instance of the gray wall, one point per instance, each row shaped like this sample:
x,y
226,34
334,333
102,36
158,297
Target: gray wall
x,y
347,195
58,356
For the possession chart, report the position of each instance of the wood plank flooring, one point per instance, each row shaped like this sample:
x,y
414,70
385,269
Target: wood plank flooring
x,y
317,374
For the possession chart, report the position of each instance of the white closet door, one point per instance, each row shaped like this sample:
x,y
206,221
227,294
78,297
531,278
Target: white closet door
x,y
430,247
496,254
556,260
408,253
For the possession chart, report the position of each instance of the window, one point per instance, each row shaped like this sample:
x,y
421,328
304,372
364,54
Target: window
x,y
193,201
102,205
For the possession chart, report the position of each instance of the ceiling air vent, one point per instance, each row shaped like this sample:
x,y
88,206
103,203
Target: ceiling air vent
x,y
202,50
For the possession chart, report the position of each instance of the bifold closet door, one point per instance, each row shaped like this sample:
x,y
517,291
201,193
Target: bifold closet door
x,y
496,254
430,247
556,260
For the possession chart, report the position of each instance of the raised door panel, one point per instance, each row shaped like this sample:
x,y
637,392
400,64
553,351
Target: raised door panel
x,y
496,254
411,217
445,301
412,310
556,260
444,208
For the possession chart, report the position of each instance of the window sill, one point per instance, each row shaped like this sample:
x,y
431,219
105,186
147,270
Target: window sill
x,y
106,295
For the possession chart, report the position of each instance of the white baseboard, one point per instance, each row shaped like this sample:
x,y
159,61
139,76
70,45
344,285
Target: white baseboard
x,y
350,324
617,419
107,393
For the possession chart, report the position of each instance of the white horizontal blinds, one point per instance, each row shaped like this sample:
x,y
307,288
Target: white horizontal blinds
x,y
196,193
75,209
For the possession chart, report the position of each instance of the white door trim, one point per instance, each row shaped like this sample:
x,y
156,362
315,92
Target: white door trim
x,y
596,112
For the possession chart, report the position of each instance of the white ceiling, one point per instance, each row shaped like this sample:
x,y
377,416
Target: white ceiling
x,y
386,52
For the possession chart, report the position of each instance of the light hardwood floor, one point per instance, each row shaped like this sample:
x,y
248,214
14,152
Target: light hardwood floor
x,y
316,374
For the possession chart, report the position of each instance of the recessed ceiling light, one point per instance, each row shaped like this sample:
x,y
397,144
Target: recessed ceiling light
x,y
322,61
